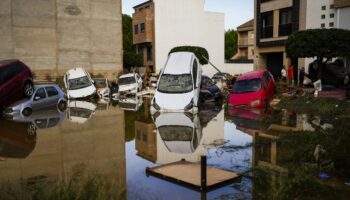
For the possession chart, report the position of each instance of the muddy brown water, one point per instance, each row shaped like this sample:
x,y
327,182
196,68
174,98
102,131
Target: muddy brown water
x,y
117,142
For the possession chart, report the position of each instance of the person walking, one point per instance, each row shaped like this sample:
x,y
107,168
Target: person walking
x,y
301,77
290,76
284,74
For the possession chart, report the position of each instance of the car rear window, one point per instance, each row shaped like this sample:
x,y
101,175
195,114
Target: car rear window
x,y
51,91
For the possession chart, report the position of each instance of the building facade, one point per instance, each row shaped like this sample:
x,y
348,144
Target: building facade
x,y
177,23
52,36
245,43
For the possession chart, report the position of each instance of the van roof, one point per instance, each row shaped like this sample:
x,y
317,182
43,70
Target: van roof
x,y
179,63
252,75
4,63
76,73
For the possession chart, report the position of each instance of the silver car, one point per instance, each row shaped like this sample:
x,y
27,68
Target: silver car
x,y
44,96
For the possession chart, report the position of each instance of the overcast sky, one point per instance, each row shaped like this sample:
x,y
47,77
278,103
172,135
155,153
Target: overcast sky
x,y
236,11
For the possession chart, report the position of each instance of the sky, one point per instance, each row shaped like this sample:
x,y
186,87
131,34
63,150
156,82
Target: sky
x,y
236,12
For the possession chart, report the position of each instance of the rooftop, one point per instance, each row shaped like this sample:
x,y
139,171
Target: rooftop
x,y
247,26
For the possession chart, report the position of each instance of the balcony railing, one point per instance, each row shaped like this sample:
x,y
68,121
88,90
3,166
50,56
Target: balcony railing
x,y
243,42
285,29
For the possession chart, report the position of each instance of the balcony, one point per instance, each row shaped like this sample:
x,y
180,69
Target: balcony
x,y
243,42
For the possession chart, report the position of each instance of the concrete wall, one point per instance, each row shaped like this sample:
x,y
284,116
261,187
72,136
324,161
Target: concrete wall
x,y
343,16
231,68
184,22
54,35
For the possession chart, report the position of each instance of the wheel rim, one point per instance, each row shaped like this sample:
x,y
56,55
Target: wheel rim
x,y
27,112
28,90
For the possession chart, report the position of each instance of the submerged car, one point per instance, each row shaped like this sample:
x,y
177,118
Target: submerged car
x,y
252,90
209,90
16,82
44,96
129,84
102,87
178,85
79,84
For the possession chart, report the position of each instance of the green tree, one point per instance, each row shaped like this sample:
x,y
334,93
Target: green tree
x,y
324,44
200,52
130,58
230,44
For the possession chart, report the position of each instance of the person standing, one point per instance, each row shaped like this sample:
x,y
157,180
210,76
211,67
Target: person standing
x,y
290,76
301,76
284,74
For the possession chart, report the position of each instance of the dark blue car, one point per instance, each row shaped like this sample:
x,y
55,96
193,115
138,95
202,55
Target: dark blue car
x,y
209,90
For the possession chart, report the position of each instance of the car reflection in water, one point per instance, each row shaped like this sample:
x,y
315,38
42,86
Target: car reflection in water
x,y
80,111
130,104
17,139
248,120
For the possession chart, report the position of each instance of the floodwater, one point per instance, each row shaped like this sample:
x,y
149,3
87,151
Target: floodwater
x,y
100,150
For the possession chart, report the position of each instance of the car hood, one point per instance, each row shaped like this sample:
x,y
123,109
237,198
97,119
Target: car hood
x,y
81,93
168,101
123,88
245,98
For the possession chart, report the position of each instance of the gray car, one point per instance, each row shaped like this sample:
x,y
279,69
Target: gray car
x,y
44,96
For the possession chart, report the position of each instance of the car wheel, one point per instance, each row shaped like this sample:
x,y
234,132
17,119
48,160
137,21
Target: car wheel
x,y
28,89
31,131
62,105
27,112
346,80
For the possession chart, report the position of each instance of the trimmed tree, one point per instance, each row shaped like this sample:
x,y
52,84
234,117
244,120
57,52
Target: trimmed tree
x,y
132,59
230,44
200,52
324,44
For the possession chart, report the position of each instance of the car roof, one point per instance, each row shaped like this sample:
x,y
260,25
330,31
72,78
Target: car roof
x,y
45,85
252,75
127,75
76,73
179,63
4,63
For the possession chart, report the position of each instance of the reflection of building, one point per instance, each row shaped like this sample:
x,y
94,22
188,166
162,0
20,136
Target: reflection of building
x,y
53,36
146,140
99,145
177,23
245,42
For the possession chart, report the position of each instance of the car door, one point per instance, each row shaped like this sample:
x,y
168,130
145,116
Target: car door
x,y
52,96
39,99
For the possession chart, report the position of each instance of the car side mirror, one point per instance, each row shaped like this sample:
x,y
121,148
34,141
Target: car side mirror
x,y
37,98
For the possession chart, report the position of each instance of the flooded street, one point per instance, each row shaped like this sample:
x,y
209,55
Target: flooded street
x,y
101,150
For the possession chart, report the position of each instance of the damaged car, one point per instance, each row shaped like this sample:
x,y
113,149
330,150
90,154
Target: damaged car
x,y
79,84
44,96
129,84
209,91
102,87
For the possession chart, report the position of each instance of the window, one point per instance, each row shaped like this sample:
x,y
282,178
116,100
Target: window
x,y
267,25
331,24
323,25
136,29
331,6
285,27
331,15
323,8
246,86
195,69
323,16
9,72
140,9
51,91
142,28
40,94
149,54
144,137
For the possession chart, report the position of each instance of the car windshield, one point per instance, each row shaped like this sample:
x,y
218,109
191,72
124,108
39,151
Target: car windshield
x,y
126,81
170,83
245,86
79,83
100,83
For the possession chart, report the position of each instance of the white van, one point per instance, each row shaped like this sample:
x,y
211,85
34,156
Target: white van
x,y
79,84
178,85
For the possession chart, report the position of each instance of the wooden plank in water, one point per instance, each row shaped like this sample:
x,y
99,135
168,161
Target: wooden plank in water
x,y
190,174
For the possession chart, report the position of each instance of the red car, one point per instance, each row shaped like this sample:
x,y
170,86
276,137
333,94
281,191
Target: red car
x,y
16,82
252,90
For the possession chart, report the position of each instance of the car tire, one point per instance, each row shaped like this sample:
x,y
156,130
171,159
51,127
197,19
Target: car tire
x,y
28,89
31,131
27,112
62,105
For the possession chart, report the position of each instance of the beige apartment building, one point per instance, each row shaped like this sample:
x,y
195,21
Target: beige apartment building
x,y
53,36
143,33
245,43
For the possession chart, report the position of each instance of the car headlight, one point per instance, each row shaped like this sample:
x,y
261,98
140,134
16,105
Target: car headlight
x,y
155,105
189,106
255,103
